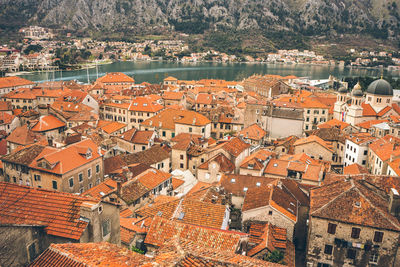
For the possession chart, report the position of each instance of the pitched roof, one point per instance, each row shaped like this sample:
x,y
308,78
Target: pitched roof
x,y
334,123
162,230
311,139
235,146
23,136
187,211
88,254
236,184
58,212
167,119
253,132
257,160
61,161
115,77
47,123
354,169
225,165
14,81
273,196
24,156
150,156
102,189
170,95
144,104
352,201
111,126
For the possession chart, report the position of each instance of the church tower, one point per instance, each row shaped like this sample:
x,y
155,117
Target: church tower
x,y
355,113
338,109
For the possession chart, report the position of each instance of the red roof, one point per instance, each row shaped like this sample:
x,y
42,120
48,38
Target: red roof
x,y
58,212
14,81
47,123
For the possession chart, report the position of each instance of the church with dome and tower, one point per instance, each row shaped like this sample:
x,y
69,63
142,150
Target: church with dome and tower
x,y
353,107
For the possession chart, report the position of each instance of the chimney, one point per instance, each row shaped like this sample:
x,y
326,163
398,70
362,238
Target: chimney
x,y
119,185
394,204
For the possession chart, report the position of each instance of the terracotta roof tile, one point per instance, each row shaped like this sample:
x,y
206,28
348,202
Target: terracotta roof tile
x,y
161,230
14,81
58,212
253,132
236,184
354,169
225,165
115,77
167,119
47,123
352,201
88,254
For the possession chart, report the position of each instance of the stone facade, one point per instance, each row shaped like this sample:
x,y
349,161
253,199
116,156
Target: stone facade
x,y
338,255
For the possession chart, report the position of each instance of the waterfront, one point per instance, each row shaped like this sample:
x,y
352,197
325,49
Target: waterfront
x,y
156,71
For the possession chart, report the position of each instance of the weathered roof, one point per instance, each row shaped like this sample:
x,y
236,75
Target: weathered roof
x,y
58,213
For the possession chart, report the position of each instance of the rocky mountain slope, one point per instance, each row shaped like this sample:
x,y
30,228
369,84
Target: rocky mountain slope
x,y
381,18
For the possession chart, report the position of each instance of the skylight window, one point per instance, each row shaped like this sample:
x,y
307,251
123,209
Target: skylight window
x,y
258,184
233,180
245,189
181,215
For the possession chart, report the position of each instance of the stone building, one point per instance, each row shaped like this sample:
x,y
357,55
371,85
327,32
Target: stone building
x,y
35,218
354,222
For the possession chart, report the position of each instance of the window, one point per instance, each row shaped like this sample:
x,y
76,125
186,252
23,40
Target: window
x,y
81,190
164,133
181,157
374,258
328,249
97,168
105,226
71,182
355,232
36,177
32,251
89,173
270,212
365,152
55,185
378,237
351,253
364,162
190,129
80,177
320,264
332,228
181,165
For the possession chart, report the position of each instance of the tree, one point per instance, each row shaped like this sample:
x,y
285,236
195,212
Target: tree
x,y
275,256
33,49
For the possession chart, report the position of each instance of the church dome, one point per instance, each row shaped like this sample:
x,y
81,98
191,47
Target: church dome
x,y
380,87
357,90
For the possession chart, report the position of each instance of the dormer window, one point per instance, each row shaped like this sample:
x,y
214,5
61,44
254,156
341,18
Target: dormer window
x,y
88,154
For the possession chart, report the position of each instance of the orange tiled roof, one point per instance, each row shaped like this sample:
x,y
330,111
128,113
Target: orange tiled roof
x,y
88,254
256,160
144,104
369,124
167,119
14,81
225,165
204,99
64,160
170,95
354,169
58,212
352,201
235,146
47,123
332,123
6,118
161,230
190,211
102,189
153,178
253,132
177,183
111,126
386,147
313,138
115,77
